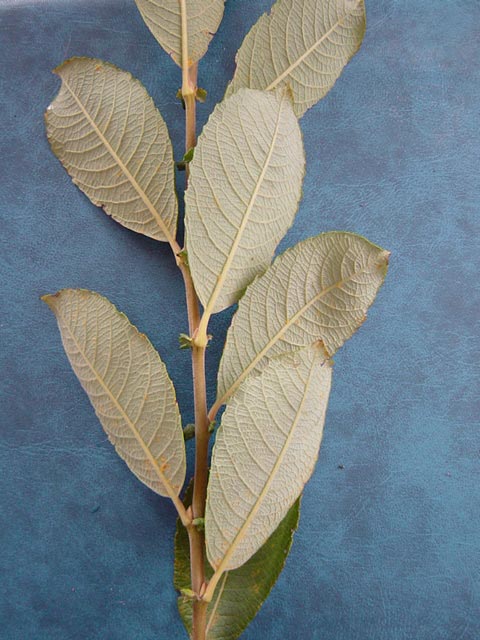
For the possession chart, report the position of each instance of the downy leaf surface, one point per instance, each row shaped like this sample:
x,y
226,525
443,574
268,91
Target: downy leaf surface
x,y
164,19
243,193
303,44
240,593
264,453
320,289
128,386
109,136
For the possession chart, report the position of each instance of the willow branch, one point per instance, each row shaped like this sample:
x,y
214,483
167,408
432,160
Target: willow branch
x,y
196,536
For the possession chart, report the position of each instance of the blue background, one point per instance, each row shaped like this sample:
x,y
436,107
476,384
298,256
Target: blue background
x,y
388,546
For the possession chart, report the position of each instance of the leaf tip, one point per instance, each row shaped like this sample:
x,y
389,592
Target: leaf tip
x,y
60,67
49,298
322,349
287,92
383,262
99,64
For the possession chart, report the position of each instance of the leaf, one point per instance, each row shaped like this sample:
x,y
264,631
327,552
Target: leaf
x,y
187,158
264,453
318,290
304,45
241,592
201,94
244,188
189,432
107,133
128,386
164,19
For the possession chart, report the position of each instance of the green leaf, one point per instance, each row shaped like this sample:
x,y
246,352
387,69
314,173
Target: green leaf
x,y
164,19
187,158
185,341
107,133
264,453
241,592
243,193
318,290
128,386
304,45
189,432
201,94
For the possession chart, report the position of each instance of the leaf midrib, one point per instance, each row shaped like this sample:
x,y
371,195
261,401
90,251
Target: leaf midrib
x,y
146,200
219,591
253,512
309,51
171,493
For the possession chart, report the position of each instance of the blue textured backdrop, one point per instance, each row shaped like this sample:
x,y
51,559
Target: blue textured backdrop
x,y
388,546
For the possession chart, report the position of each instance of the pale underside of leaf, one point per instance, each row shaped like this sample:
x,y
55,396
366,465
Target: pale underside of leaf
x,y
304,45
240,593
128,386
320,289
264,453
164,19
244,188
111,139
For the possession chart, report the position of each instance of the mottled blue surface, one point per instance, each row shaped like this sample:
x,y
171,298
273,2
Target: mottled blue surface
x,y
388,546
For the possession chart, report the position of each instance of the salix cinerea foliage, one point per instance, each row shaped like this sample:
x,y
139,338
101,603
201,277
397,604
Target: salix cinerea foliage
x,y
244,185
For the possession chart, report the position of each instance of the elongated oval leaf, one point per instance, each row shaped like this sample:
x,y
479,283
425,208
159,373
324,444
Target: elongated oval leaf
x,y
164,19
318,290
303,44
241,592
128,386
264,453
107,133
245,185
